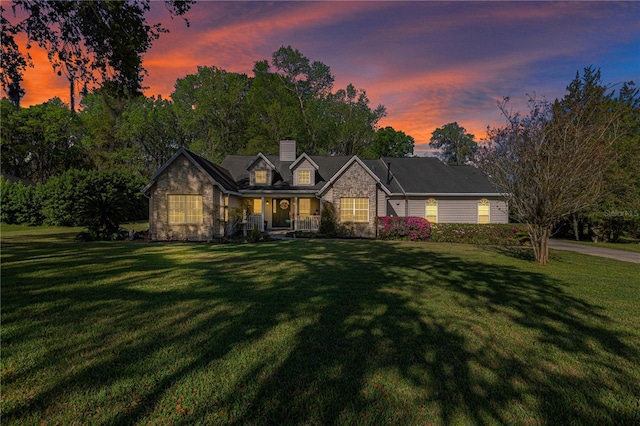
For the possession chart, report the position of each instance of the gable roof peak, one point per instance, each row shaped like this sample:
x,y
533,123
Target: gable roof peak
x,y
266,160
304,156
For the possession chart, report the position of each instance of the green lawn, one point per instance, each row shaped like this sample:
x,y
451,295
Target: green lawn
x,y
313,332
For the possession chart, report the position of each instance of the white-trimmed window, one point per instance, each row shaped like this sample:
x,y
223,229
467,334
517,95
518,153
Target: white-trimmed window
x,y
354,209
431,210
185,208
304,177
483,211
260,176
304,205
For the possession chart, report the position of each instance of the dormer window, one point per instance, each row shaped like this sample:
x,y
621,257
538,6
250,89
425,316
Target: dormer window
x,y
304,177
260,176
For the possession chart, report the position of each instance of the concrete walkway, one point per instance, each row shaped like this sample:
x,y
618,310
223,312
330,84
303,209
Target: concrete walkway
x,y
626,256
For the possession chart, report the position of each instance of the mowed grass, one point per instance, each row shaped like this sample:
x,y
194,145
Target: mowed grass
x,y
314,332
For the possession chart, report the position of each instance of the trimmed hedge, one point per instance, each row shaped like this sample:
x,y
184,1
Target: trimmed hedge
x,y
419,229
509,234
403,228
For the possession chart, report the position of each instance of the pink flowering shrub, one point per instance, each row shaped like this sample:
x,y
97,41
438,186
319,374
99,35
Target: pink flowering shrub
x,y
402,228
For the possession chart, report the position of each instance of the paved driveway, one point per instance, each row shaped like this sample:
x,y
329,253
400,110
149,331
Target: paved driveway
x,y
625,256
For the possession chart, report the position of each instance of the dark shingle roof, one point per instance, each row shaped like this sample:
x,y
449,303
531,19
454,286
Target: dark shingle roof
x,y
415,175
327,167
218,173
428,175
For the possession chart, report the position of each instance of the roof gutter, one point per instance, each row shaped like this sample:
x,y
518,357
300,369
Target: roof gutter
x,y
452,194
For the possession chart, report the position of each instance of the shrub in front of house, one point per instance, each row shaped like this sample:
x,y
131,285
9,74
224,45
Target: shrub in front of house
x,y
328,220
403,228
470,233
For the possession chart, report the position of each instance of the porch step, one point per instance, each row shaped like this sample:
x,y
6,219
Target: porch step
x,y
278,234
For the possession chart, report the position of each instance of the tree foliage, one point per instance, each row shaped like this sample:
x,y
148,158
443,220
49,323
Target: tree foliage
x,y
98,200
553,162
39,141
289,97
355,121
210,106
83,39
152,129
389,142
618,210
456,145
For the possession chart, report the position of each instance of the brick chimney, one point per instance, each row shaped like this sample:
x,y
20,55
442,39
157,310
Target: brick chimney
x,y
288,150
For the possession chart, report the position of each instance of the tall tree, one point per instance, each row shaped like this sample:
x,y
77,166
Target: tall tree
x,y
272,113
389,142
210,106
39,141
355,121
310,83
100,115
456,145
618,209
552,162
83,38
151,126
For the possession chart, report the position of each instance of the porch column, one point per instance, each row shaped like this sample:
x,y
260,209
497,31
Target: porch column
x,y
295,214
262,227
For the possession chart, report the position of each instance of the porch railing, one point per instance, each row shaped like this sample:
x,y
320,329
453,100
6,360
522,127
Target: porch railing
x,y
255,219
307,223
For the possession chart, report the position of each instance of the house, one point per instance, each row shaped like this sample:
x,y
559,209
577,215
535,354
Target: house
x,y
194,199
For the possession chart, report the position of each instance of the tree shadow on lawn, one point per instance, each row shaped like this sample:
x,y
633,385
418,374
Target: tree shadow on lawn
x,y
324,332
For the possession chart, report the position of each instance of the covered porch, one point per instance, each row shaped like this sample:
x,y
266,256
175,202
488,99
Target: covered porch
x,y
289,212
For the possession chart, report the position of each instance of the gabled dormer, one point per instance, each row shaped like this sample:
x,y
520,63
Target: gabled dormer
x,y
261,171
303,170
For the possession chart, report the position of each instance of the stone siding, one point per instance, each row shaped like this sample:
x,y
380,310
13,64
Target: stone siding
x,y
356,182
183,178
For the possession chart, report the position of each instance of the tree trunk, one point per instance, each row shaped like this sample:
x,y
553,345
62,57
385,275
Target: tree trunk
x,y
576,228
540,241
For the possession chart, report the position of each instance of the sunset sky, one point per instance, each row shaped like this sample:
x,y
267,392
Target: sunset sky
x,y
429,63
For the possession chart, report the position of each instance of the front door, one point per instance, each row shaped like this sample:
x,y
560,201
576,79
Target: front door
x,y
281,209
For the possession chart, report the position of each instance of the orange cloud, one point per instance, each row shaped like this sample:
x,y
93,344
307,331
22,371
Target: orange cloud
x,y
40,82
236,46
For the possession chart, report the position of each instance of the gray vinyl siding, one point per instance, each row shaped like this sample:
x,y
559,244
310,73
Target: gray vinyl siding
x,y
396,207
498,211
417,208
458,210
304,165
382,203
